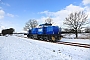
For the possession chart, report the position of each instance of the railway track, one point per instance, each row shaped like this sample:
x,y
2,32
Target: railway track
x,y
74,44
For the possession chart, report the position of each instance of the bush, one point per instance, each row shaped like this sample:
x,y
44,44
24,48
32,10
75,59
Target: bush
x,y
7,31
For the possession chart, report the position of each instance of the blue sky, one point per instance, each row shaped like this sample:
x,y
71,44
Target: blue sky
x,y
15,13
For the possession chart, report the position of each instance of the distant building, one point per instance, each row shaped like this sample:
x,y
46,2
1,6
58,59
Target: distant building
x,y
87,29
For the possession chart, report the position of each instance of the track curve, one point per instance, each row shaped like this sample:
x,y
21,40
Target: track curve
x,y
74,44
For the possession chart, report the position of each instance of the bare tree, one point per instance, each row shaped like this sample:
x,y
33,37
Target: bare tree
x,y
76,21
32,23
48,20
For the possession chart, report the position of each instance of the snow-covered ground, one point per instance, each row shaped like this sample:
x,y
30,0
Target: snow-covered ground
x,y
17,48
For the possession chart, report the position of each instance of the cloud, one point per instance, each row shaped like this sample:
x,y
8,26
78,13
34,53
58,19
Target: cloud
x,y
16,15
7,24
1,27
0,7
86,2
4,24
10,15
2,13
58,17
5,3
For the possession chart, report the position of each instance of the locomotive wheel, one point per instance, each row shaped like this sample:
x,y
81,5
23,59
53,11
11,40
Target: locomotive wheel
x,y
32,37
28,35
53,38
60,38
41,37
45,38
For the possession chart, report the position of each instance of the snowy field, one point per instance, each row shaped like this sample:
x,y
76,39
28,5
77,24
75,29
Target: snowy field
x,y
17,48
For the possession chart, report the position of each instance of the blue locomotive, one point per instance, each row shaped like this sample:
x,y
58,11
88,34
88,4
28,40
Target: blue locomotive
x,y
45,32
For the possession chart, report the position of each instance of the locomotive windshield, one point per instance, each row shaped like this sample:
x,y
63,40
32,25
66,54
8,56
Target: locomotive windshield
x,y
45,25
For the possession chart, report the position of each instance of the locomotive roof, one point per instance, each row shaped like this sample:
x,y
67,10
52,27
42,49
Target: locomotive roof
x,y
45,24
